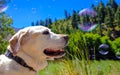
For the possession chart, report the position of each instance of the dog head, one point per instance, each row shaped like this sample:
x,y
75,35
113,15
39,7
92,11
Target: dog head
x,y
39,42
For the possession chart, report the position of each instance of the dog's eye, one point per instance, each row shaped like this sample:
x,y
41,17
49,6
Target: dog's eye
x,y
46,32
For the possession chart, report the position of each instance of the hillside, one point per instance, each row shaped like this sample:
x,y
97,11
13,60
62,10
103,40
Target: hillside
x,y
107,32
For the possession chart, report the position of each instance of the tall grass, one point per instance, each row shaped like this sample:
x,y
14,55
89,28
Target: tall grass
x,y
78,63
81,67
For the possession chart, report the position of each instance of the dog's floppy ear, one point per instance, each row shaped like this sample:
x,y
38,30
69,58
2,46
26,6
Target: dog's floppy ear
x,y
17,41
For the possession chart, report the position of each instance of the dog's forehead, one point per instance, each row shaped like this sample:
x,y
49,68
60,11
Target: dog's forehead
x,y
36,29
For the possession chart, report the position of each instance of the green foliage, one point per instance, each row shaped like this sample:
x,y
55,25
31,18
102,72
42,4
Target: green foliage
x,y
106,33
81,67
92,40
80,44
76,45
75,19
117,17
5,31
116,45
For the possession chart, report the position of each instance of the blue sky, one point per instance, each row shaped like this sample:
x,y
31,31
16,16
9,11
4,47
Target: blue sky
x,y
24,12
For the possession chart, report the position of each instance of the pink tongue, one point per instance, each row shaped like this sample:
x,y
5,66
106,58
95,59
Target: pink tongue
x,y
52,52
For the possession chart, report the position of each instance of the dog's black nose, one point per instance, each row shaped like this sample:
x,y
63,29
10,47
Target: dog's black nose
x,y
66,38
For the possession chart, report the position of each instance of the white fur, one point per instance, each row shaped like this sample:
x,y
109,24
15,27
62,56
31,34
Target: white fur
x,y
30,45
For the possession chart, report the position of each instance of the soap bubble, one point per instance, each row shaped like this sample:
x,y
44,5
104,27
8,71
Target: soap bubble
x,y
33,10
118,55
103,49
87,12
4,5
3,8
87,20
87,27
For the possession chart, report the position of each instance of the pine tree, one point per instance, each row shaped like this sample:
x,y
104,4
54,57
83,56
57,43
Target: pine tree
x,y
32,24
75,20
47,22
50,21
66,14
117,17
93,7
42,22
101,12
109,19
113,4
100,15
55,19
37,23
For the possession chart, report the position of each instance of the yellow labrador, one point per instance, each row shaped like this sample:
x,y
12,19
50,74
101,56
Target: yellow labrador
x,y
29,50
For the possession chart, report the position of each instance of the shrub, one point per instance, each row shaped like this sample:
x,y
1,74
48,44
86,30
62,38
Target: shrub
x,y
116,45
5,30
80,44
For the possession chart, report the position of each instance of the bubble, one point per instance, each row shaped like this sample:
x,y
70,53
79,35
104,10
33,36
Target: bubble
x,y
87,20
103,49
4,5
33,10
3,8
87,11
87,27
118,55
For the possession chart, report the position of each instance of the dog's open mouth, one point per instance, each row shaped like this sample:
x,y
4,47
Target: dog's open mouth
x,y
53,52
